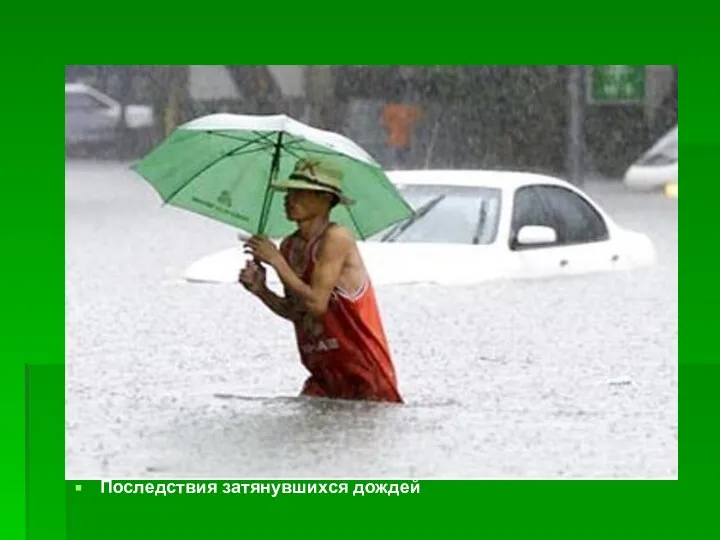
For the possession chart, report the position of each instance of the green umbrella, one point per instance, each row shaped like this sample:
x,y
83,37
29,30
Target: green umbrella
x,y
222,166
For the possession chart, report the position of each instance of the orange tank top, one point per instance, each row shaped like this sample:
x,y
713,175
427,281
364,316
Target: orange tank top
x,y
346,350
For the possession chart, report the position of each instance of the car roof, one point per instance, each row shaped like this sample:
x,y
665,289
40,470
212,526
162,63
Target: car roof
x,y
665,144
504,180
76,87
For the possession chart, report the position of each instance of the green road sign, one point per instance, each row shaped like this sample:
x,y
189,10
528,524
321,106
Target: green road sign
x,y
616,84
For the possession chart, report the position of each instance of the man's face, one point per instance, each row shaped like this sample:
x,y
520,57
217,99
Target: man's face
x,y
304,204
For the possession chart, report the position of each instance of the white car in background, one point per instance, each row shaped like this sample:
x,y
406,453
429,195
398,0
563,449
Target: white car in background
x,y
658,167
475,226
93,118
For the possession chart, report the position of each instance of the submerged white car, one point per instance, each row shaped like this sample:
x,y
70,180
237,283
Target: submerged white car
x,y
92,118
658,167
474,226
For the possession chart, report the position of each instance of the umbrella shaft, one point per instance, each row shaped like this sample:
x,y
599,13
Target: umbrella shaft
x,y
274,171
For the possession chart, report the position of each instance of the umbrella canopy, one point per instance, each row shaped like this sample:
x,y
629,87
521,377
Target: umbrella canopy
x,y
223,166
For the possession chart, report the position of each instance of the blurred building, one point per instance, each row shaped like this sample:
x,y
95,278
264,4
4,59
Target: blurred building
x,y
412,116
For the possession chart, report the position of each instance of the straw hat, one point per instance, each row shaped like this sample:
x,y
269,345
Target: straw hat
x,y
315,175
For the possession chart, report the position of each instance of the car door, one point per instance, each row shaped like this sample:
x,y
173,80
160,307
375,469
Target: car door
x,y
74,119
583,237
544,260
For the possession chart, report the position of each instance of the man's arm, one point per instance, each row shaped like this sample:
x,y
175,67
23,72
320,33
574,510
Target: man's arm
x,y
277,304
332,255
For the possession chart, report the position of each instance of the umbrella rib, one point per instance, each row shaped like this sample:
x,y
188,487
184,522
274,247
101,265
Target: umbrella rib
x,y
268,136
256,149
293,154
296,142
206,167
334,154
258,134
286,147
226,136
357,227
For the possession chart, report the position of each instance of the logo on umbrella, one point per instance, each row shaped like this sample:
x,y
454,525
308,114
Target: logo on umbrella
x,y
225,199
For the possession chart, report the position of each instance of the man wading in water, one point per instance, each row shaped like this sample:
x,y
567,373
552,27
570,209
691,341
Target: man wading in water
x,y
328,295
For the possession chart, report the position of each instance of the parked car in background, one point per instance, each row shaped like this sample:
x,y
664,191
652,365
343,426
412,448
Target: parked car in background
x,y
475,226
93,120
658,167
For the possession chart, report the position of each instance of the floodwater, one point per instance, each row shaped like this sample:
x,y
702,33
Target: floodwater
x,y
568,378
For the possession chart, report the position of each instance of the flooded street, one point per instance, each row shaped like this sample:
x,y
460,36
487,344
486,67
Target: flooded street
x,y
567,378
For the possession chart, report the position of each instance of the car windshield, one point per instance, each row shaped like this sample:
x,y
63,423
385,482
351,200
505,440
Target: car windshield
x,y
80,101
664,152
447,215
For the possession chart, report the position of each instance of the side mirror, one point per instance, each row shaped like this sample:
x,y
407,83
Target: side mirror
x,y
532,235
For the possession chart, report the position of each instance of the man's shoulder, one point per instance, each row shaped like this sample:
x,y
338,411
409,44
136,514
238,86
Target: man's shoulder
x,y
339,233
337,238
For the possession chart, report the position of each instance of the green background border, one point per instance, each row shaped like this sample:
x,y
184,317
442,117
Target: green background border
x,y
33,333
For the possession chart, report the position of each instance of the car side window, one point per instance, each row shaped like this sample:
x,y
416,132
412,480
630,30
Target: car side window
x,y
82,102
528,209
577,222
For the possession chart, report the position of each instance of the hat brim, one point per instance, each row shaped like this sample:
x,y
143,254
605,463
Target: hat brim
x,y
284,185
